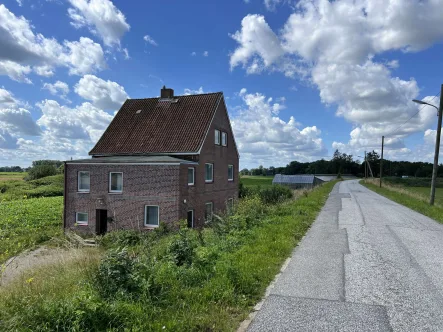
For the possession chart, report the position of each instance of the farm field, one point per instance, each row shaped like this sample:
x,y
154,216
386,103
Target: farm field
x,y
7,176
25,223
251,180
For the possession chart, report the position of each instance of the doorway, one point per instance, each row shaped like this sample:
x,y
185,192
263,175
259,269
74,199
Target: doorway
x,y
191,218
101,222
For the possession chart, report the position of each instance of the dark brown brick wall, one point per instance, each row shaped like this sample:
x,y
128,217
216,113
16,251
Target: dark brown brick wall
x,y
221,189
142,185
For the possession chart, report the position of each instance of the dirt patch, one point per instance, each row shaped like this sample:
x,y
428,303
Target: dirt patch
x,y
16,266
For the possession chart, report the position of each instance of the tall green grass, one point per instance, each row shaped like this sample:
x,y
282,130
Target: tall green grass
x,y
190,280
250,181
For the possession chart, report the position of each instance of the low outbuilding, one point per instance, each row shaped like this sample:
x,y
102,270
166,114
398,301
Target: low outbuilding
x,y
304,181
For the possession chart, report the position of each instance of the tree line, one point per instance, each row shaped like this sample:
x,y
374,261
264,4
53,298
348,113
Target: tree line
x,y
342,163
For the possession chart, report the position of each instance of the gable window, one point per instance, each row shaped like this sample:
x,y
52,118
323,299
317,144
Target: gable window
x,y
208,211
209,172
224,140
84,181
81,218
151,215
115,182
230,172
217,137
191,176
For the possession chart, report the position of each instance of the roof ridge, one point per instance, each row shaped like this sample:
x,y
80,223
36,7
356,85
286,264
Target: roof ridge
x,y
197,94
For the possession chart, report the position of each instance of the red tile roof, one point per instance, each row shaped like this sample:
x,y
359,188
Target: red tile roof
x,y
177,125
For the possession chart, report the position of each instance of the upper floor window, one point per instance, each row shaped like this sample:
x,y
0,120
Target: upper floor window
x,y
84,181
230,172
115,182
81,218
224,140
152,215
217,137
209,172
191,176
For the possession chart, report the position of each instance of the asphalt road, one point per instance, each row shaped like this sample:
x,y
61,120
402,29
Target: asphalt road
x,y
367,264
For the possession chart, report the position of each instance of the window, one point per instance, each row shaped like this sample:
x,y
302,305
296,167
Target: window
x,y
224,139
217,137
191,175
151,215
230,172
81,218
208,211
209,172
84,181
115,182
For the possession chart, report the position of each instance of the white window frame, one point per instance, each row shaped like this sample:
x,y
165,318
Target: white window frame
x,y
232,179
217,137
193,176
192,210
212,173
115,191
81,223
146,215
78,182
212,210
225,135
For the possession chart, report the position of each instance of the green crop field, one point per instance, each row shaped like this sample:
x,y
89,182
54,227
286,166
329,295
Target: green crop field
x,y
27,222
6,176
250,180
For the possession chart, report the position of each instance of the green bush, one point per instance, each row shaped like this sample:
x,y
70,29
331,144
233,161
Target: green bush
x,y
115,275
41,171
181,249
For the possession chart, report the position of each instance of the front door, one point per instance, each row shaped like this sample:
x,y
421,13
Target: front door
x,y
191,218
101,222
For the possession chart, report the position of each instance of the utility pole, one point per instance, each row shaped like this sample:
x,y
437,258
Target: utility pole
x,y
366,167
437,150
381,160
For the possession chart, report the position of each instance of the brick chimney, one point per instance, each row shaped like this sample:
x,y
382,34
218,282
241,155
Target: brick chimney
x,y
166,93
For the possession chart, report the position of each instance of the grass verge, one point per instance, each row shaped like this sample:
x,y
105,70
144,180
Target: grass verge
x,y
413,200
189,280
25,223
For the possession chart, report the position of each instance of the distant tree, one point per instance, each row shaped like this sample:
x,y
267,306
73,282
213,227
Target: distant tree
x,y
40,171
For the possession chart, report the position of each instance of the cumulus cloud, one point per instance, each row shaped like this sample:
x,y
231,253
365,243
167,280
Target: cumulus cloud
x,y
18,121
271,4
199,91
103,94
58,87
150,40
338,58
263,137
85,122
6,98
21,48
205,53
101,17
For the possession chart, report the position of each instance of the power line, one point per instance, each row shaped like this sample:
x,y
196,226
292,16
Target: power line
x,y
395,130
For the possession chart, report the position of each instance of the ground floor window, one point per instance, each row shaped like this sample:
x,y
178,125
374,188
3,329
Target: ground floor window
x,y
151,215
81,218
208,211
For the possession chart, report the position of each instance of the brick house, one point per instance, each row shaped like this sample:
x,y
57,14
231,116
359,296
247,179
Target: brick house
x,y
160,160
